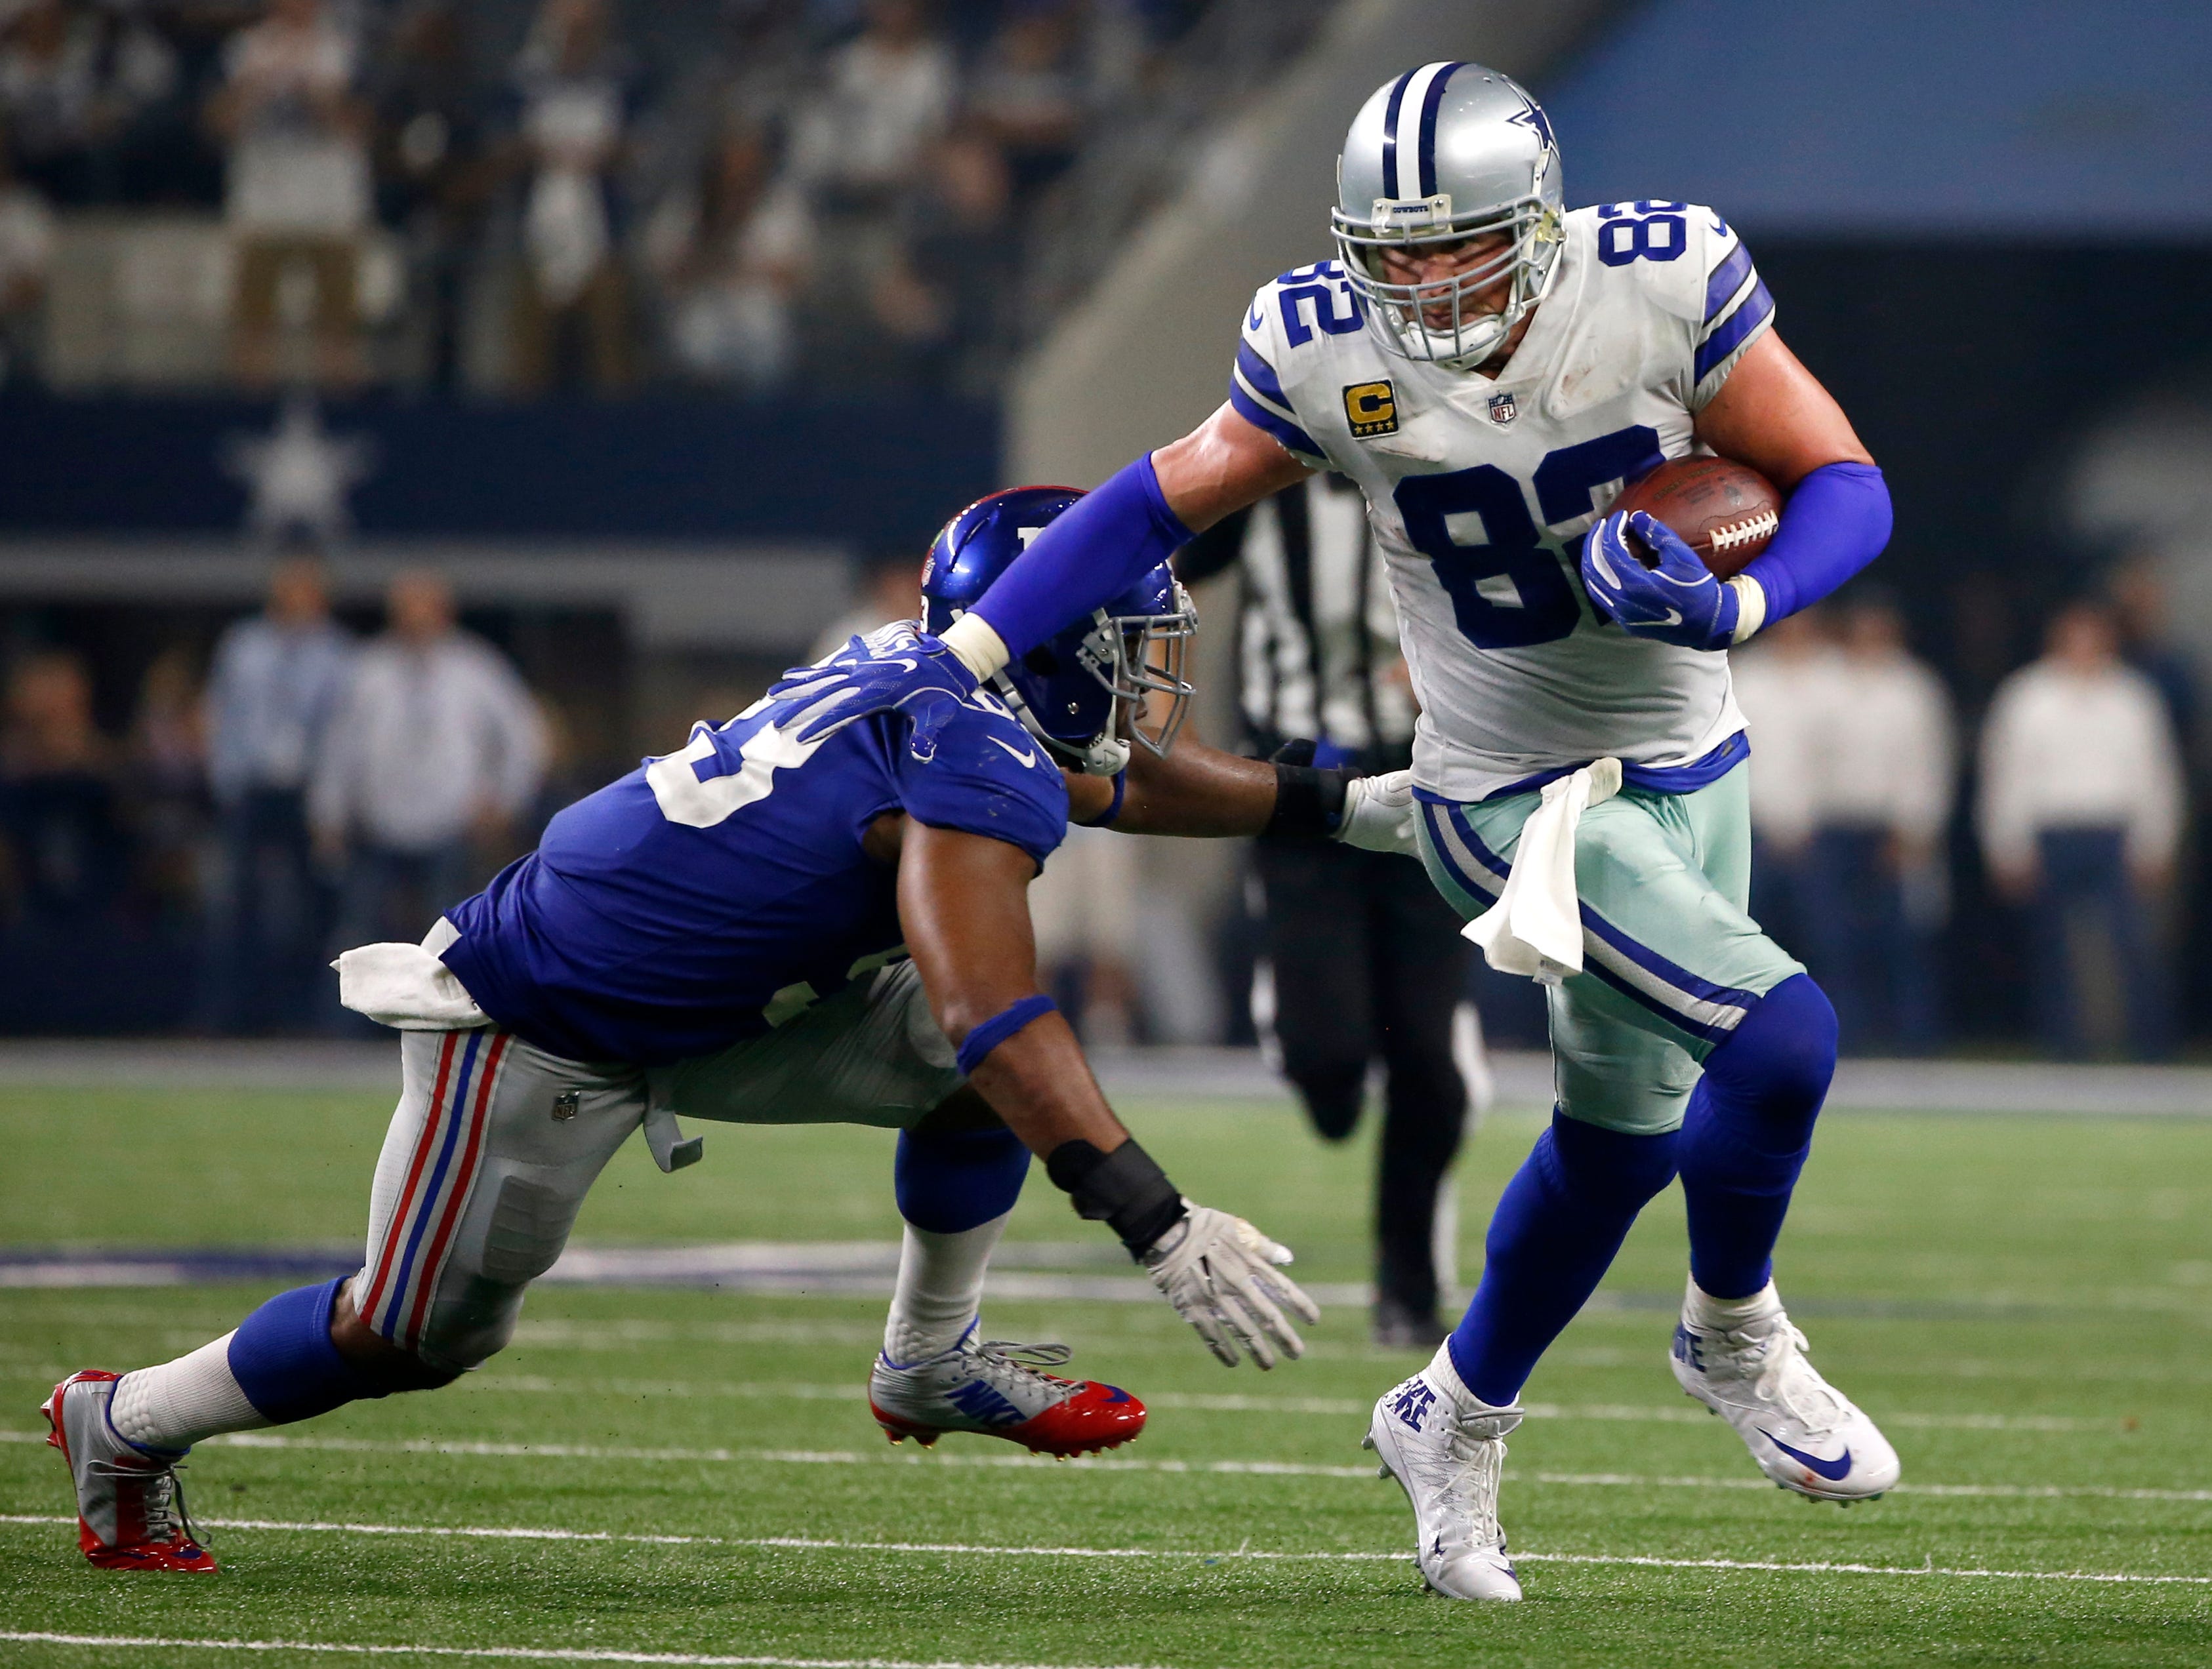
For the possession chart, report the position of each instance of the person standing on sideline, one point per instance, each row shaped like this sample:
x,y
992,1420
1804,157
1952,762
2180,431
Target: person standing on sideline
x,y
273,692
2081,813
1363,959
1785,682
436,749
1876,894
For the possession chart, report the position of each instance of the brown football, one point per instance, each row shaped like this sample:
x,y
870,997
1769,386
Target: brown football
x,y
1724,511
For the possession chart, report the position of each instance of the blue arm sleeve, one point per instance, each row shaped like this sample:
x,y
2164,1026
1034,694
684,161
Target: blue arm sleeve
x,y
1097,549
1835,523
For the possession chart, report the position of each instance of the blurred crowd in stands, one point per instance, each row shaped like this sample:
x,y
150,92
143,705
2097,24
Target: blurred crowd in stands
x,y
735,192
318,791
309,789
2080,764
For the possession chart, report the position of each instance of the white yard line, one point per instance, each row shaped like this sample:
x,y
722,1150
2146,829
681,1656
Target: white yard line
x,y
1207,1403
812,1544
465,1447
527,1654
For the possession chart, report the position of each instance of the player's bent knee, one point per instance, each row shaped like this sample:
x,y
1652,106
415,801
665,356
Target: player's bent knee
x,y
1785,1049
1614,1165
961,1113
380,1362
469,1328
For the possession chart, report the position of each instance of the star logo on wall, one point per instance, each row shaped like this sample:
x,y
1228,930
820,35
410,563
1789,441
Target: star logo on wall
x,y
299,475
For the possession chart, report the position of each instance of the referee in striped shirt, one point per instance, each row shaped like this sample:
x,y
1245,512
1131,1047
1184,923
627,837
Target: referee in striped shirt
x,y
1362,960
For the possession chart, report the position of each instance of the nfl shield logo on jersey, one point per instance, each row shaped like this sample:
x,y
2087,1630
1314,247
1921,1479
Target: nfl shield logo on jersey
x,y
1502,409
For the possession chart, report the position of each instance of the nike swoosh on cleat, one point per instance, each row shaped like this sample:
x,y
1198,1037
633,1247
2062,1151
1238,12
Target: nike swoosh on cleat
x,y
1833,1471
1674,617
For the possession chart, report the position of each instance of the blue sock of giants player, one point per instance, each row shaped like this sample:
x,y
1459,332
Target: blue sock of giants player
x,y
1557,1225
1747,1130
956,1191
277,1367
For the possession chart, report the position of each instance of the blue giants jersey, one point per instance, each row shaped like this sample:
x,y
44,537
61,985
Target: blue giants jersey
x,y
711,894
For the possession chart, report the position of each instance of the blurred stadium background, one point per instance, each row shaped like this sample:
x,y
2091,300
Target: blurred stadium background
x,y
660,332
655,337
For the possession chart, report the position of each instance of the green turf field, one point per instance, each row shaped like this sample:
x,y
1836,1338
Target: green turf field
x,y
2026,1303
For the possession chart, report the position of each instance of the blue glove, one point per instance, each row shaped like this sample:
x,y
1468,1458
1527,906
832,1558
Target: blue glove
x,y
1679,602
918,676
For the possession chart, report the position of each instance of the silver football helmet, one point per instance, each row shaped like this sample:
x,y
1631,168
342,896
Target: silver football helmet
x,y
1444,153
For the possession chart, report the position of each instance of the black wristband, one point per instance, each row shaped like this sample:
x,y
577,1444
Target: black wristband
x,y
1124,1189
1308,801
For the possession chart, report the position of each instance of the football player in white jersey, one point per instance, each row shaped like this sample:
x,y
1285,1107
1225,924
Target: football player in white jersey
x,y
1490,369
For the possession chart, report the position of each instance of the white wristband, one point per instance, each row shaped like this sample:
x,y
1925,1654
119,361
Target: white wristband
x,y
1750,607
976,645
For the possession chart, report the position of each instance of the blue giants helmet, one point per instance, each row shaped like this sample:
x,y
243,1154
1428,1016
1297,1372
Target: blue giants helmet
x,y
1108,680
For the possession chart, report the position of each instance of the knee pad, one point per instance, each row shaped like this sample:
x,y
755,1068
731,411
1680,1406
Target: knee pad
x,y
463,1331
1619,1171
1769,1078
947,1183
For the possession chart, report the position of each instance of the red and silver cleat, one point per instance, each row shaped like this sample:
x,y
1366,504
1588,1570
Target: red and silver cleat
x,y
996,1389
130,1507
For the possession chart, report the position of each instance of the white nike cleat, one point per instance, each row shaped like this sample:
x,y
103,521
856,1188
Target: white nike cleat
x,y
1806,1434
995,1388
1446,1448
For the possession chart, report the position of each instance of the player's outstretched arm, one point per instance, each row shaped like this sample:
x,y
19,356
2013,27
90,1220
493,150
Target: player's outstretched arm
x,y
964,903
1132,522
1194,790
1091,552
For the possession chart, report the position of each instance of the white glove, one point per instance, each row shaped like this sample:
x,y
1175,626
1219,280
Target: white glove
x,y
1218,1272
1378,814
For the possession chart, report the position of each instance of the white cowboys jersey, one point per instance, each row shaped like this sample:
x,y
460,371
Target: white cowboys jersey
x,y
1480,490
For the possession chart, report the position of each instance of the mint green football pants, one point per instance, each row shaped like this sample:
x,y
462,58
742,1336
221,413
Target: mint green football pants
x,y
1672,959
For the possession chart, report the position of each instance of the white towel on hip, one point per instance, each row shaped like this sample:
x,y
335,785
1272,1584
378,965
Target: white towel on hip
x,y
1535,927
406,987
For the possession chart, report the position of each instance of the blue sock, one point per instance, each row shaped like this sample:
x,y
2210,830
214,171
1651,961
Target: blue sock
x,y
1554,1234
1746,1133
947,1184
283,1358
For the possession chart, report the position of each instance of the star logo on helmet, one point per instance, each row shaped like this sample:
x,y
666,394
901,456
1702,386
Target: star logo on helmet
x,y
1538,123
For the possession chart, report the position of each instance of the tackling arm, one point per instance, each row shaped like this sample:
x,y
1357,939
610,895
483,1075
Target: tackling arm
x,y
1134,521
963,904
1195,790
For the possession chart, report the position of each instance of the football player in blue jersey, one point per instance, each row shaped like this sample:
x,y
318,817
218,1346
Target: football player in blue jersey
x,y
809,915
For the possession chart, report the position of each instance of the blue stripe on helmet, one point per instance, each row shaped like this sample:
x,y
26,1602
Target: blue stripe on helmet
x,y
1390,134
1431,101
1757,308
1728,278
1289,434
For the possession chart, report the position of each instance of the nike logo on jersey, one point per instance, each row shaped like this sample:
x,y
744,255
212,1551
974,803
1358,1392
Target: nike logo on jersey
x,y
1833,1471
1019,757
